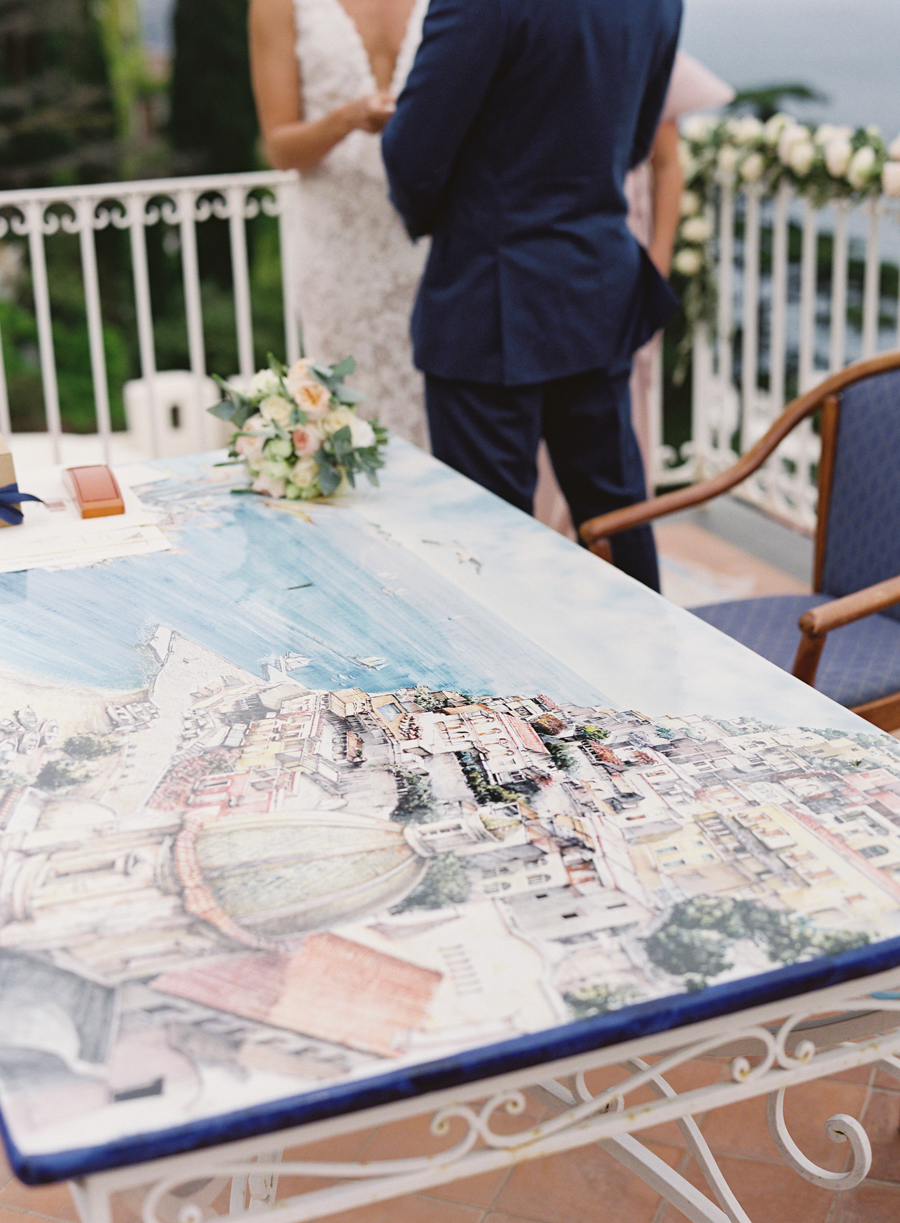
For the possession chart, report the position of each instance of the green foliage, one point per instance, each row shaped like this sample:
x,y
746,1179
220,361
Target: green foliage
x,y
428,701
445,883
56,110
591,734
696,938
89,747
767,100
477,781
213,117
71,348
416,802
683,952
597,1000
61,774
560,755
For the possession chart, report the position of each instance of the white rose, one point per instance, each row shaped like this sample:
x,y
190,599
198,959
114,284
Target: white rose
x,y
689,204
305,473
361,432
696,229
746,130
861,164
838,152
826,132
773,127
727,159
894,148
278,448
890,179
802,156
790,135
275,469
688,261
276,409
698,127
262,384
753,167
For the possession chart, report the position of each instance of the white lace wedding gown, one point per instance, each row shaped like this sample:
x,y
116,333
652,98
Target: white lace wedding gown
x,y
357,269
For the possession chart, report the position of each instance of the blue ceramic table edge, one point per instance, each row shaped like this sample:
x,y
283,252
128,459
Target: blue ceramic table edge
x,y
538,1048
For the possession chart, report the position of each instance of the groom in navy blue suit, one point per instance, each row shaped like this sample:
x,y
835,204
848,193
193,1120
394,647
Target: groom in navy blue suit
x,y
510,145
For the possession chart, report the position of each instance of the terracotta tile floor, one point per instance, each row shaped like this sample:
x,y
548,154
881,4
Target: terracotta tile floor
x,y
587,1185
698,567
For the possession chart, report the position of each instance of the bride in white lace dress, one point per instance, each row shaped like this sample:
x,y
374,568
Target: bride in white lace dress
x,y
325,76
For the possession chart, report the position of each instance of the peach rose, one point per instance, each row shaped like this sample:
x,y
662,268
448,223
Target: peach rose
x,y
268,485
307,392
307,439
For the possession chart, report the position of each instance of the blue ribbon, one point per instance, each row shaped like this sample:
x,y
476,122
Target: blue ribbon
x,y
10,497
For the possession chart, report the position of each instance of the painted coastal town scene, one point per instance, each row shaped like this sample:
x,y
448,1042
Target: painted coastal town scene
x,y
321,815
236,888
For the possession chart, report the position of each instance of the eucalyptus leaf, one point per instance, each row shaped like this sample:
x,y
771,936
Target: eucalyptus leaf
x,y
329,479
349,395
343,368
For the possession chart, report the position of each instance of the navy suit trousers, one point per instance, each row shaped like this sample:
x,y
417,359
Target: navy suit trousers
x,y
491,433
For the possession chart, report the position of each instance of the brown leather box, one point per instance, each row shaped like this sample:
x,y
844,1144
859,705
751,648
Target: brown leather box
x,y
95,490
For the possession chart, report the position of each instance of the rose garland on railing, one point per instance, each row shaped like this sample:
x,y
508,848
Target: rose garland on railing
x,y
821,163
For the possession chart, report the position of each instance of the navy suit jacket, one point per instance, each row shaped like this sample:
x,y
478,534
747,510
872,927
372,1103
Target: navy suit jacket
x,y
510,145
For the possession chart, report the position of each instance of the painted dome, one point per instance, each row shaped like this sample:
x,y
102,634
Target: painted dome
x,y
263,879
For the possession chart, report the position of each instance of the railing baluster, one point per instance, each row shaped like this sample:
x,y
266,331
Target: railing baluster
x,y
723,425
287,196
136,204
190,269
699,447
85,221
750,319
838,347
871,285
808,297
34,216
237,230
778,323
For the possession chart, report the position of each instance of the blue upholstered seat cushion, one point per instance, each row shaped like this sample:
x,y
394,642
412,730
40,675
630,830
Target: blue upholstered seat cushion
x,y
860,662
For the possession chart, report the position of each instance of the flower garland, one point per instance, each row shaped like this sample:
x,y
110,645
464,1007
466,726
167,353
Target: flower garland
x,y
821,163
297,432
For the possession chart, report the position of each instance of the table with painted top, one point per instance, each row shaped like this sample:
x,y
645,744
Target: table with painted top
x,y
318,815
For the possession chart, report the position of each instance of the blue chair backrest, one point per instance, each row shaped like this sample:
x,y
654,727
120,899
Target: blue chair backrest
x,y
863,536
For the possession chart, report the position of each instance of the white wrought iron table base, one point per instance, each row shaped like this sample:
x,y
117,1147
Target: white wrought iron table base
x,y
771,1049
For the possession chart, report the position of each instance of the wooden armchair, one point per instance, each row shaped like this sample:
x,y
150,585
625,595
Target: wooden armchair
x,y
857,555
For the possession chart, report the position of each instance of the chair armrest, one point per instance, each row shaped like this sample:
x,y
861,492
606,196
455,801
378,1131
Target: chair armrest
x,y
818,621
604,525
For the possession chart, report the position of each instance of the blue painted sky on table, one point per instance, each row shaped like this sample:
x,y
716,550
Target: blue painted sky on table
x,y
240,590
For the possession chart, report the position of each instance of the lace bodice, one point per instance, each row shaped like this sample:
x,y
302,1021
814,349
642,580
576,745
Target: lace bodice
x,y
357,270
335,68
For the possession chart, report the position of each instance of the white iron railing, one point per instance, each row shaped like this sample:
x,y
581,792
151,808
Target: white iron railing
x,y
782,325
180,205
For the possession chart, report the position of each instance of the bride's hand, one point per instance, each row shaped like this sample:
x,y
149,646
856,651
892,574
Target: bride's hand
x,y
372,112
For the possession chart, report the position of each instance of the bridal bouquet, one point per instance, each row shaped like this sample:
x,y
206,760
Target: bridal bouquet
x,y
297,432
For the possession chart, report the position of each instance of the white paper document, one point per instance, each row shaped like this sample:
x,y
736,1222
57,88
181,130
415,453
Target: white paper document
x,y
53,535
